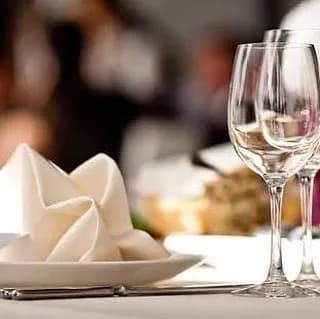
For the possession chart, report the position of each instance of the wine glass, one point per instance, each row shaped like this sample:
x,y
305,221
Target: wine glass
x,y
307,276
273,126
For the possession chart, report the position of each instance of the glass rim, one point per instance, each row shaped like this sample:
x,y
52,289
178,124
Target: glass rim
x,y
275,45
292,30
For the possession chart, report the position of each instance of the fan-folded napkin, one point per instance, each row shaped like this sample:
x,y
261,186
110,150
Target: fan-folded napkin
x,y
81,216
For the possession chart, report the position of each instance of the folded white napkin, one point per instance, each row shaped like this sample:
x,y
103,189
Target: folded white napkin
x,y
83,216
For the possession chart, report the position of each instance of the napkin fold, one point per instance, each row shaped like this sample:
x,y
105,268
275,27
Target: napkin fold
x,y
82,216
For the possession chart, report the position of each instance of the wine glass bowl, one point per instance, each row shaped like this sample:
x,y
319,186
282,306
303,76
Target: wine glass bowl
x,y
273,132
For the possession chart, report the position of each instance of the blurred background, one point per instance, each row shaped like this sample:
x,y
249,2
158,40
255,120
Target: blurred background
x,y
79,77
139,80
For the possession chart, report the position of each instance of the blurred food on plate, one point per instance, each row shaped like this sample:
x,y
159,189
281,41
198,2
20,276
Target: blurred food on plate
x,y
233,204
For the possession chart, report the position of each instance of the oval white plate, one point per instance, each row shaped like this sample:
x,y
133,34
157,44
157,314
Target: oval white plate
x,y
94,273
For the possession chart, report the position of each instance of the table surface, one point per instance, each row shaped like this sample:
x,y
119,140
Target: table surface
x,y
163,307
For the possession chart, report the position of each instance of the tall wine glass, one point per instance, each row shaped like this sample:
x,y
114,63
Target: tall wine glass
x,y
307,276
273,126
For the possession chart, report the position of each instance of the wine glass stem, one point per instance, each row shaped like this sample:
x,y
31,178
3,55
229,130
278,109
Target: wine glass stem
x,y
306,180
276,268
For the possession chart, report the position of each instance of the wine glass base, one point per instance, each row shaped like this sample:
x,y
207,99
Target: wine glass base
x,y
275,289
310,283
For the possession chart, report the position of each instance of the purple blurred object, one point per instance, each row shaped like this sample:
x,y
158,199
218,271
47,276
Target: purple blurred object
x,y
316,201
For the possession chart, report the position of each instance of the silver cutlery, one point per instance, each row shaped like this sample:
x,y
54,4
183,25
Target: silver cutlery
x,y
116,291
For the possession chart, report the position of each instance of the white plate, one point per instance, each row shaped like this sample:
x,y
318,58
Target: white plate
x,y
240,259
94,273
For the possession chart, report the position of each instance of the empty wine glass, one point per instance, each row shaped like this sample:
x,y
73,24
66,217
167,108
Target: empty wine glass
x,y
273,126
307,276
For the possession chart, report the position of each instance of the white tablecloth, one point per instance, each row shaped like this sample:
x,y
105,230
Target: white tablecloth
x,y
164,307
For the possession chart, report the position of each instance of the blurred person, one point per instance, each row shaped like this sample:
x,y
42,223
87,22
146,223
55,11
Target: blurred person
x,y
116,54
202,97
119,52
35,65
18,122
108,73
86,121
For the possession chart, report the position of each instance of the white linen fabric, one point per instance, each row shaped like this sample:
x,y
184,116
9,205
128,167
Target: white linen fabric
x,y
83,216
161,307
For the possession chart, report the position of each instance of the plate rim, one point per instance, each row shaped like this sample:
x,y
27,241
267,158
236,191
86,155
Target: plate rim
x,y
174,257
